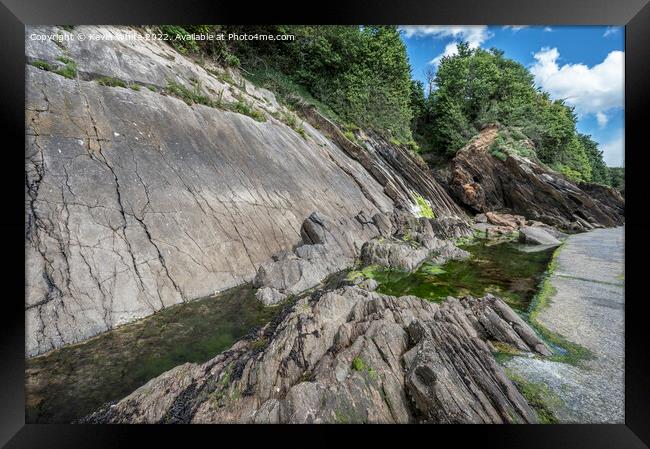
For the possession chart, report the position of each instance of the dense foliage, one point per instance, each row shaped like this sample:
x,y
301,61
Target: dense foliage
x,y
477,87
617,178
361,73
361,77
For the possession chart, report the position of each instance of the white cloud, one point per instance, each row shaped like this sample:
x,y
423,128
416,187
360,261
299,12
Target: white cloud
x,y
515,28
614,152
450,49
474,35
609,31
602,119
591,90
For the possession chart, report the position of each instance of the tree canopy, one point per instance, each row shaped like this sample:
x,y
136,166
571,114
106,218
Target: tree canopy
x,y
361,72
476,87
360,75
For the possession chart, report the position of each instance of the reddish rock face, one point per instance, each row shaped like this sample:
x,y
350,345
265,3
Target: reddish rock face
x,y
481,182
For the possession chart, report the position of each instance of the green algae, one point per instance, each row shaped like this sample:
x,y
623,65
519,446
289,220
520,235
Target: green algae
x,y
540,397
73,381
424,207
501,269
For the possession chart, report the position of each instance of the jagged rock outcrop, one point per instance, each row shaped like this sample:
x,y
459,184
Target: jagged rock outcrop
x,y
333,245
608,197
384,160
483,182
329,246
137,200
349,355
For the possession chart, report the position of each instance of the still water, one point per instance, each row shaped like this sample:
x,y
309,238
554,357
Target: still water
x,y
71,382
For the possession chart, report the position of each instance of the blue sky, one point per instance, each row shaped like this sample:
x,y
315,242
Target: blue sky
x,y
582,64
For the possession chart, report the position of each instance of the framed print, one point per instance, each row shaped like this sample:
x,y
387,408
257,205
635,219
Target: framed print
x,y
399,215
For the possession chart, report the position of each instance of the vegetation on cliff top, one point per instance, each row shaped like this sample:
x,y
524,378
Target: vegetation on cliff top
x,y
478,87
360,76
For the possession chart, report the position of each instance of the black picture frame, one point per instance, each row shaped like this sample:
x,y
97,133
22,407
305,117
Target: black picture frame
x,y
633,14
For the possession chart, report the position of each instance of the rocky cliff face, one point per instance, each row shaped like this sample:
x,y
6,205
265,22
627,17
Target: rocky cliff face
x,y
137,200
483,182
349,355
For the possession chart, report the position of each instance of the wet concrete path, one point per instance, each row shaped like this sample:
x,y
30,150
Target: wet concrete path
x,y
587,308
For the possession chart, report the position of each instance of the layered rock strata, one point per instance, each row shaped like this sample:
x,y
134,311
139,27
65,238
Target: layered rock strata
x,y
396,240
482,182
350,356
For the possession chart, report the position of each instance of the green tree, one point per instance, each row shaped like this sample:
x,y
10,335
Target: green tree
x,y
450,130
617,178
361,72
418,103
476,87
599,171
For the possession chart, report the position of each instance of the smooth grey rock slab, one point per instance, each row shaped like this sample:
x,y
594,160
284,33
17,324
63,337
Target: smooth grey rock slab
x,y
536,236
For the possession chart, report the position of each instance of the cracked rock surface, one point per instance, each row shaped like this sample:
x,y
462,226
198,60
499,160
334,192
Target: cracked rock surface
x,y
136,201
350,355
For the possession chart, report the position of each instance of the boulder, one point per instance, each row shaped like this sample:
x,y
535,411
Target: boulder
x,y
369,284
393,254
536,236
505,220
269,296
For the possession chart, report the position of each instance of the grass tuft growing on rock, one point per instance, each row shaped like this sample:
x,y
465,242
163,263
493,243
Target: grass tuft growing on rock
x,y
243,107
291,120
196,95
40,64
188,96
69,70
111,82
357,364
360,366
540,397
424,208
116,82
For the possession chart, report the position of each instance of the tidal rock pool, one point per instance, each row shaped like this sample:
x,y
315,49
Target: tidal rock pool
x,y
505,269
71,382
